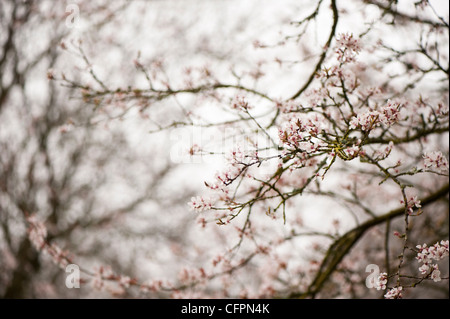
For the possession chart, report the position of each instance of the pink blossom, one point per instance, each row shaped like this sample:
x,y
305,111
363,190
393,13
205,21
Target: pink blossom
x,y
352,151
436,274
394,293
436,161
288,106
37,232
59,256
390,113
316,96
382,281
365,121
412,202
200,203
427,255
240,102
297,133
382,154
236,156
442,110
424,269
347,47
125,281
194,149
387,115
436,252
97,282
227,176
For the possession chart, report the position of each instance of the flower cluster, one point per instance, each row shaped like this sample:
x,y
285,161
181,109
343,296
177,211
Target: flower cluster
x,y
37,233
387,115
297,133
382,154
333,77
348,47
412,202
352,152
316,96
226,177
390,113
442,110
58,256
239,102
437,161
101,274
287,106
195,149
381,281
239,163
394,293
427,255
236,156
103,278
192,275
125,281
365,121
200,203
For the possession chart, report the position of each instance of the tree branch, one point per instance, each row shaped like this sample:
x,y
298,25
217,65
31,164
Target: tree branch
x,y
340,248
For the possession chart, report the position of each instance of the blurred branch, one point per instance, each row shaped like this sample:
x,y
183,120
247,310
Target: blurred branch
x,y
390,9
324,53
